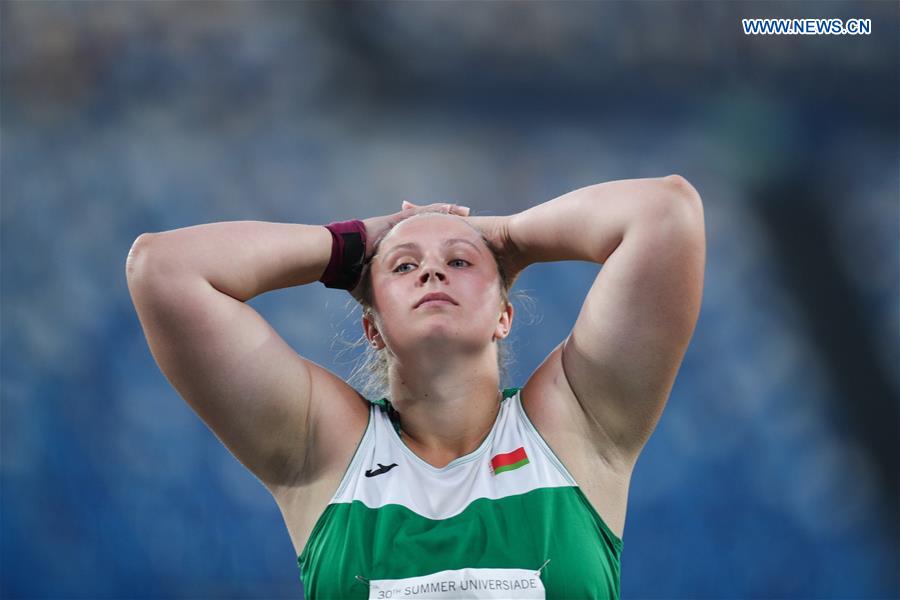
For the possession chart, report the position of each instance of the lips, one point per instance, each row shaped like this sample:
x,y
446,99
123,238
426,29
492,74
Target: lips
x,y
434,296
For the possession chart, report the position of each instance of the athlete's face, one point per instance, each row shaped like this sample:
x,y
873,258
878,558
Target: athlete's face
x,y
436,253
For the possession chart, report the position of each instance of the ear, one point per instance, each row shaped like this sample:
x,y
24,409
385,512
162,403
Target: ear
x,y
372,333
504,324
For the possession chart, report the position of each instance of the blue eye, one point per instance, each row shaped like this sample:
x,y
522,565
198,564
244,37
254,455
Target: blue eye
x,y
397,268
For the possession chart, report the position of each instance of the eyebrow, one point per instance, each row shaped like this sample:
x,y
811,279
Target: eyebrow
x,y
448,242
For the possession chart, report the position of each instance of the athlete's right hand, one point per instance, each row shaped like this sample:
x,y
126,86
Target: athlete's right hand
x,y
376,227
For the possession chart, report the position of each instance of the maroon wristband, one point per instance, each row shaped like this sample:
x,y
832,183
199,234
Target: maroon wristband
x,y
348,250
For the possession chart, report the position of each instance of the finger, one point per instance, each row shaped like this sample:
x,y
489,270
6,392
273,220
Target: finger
x,y
456,209
443,207
406,205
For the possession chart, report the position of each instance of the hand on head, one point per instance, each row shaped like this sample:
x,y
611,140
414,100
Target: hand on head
x,y
376,227
453,209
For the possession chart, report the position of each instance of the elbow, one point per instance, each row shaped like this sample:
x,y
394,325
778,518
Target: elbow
x,y
137,253
680,189
683,200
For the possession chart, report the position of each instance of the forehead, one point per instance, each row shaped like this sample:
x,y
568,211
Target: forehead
x,y
429,228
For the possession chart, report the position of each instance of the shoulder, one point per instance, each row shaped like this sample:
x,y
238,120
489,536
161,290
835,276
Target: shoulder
x,y
554,410
338,419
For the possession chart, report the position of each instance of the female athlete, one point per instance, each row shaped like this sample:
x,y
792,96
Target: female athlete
x,y
449,486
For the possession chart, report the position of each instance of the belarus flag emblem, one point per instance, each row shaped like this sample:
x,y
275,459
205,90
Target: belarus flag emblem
x,y
509,461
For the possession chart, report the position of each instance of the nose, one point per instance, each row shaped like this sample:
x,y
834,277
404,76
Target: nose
x,y
432,270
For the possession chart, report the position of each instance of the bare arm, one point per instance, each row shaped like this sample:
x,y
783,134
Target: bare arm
x,y
242,259
622,356
189,288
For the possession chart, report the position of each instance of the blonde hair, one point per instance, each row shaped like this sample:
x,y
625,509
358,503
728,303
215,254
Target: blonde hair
x,y
371,374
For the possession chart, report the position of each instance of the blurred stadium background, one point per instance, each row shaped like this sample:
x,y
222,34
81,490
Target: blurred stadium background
x,y
774,470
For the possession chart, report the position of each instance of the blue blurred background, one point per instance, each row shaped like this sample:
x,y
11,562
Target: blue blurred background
x,y
774,470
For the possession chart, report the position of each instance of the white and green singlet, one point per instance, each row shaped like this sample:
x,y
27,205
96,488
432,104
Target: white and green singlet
x,y
504,521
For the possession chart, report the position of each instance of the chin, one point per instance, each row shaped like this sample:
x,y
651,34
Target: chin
x,y
451,337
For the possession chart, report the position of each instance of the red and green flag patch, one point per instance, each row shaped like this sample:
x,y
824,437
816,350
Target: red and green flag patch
x,y
509,461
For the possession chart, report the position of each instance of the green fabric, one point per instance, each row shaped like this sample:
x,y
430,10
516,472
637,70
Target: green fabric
x,y
520,531
510,467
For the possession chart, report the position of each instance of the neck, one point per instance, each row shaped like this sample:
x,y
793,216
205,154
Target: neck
x,y
443,414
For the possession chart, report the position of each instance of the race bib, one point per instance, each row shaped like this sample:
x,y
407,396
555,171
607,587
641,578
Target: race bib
x,y
462,583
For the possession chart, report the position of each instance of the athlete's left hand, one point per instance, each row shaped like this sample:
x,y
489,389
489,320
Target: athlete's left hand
x,y
496,231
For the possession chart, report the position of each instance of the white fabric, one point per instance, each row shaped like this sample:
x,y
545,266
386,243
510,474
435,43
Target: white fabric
x,y
462,583
442,493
